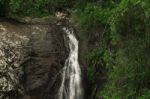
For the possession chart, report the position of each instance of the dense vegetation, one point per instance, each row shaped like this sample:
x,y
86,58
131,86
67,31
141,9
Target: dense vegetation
x,y
118,35
120,29
34,8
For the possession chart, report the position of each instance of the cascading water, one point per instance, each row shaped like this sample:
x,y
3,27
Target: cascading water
x,y
71,87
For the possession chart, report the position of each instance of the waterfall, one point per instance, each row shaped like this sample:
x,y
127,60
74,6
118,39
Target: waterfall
x,y
71,87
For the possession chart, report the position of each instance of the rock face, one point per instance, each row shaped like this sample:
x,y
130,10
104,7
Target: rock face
x,y
37,54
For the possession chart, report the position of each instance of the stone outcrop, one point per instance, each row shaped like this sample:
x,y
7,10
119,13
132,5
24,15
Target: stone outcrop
x,y
31,58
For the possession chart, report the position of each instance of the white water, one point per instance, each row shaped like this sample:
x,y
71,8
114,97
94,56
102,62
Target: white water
x,y
71,87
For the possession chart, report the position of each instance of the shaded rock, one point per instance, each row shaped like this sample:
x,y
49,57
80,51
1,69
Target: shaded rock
x,y
47,57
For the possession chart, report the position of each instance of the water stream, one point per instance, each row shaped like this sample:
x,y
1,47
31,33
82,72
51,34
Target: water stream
x,y
71,86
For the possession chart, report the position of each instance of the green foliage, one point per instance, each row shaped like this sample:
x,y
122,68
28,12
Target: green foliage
x,y
126,55
93,15
145,94
129,74
15,5
93,61
30,8
35,8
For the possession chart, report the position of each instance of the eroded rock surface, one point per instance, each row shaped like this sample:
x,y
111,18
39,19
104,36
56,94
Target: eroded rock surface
x,y
31,57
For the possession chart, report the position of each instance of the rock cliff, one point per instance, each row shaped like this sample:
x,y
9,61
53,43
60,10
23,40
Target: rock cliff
x,y
31,57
